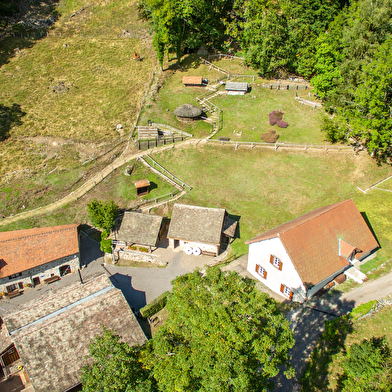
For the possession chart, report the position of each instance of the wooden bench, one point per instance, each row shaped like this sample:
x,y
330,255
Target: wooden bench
x,y
224,139
52,279
13,294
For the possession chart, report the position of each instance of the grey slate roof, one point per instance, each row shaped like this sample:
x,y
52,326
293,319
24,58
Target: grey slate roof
x,y
138,228
52,332
237,86
198,224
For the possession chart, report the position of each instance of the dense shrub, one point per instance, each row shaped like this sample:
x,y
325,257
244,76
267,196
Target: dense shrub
x,y
155,305
270,137
275,116
282,124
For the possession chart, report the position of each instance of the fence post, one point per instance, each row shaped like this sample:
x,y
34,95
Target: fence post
x,y
29,173
276,146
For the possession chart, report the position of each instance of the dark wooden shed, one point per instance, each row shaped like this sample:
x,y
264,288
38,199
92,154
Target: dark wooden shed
x,y
142,187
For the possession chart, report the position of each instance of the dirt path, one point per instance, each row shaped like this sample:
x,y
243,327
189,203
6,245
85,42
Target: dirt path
x,y
125,157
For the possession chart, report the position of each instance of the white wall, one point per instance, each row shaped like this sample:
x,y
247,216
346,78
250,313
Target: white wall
x,y
43,271
260,252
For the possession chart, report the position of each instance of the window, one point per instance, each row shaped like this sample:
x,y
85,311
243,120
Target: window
x,y
276,262
261,271
286,291
15,276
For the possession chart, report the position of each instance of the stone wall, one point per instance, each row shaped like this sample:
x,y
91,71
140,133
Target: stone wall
x,y
140,257
42,272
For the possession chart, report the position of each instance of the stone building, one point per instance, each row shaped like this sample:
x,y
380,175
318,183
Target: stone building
x,y
29,257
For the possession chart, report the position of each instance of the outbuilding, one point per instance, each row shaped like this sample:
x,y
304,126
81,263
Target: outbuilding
x,y
200,230
188,113
237,88
191,81
142,187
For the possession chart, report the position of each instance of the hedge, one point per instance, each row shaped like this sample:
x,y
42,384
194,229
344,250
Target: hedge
x,y
155,305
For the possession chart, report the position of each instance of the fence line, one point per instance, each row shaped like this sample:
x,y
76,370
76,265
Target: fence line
x,y
281,86
222,55
244,76
215,67
375,186
282,146
147,144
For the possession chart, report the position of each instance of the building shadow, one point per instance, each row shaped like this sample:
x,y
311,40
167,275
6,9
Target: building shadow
x,y
89,250
366,219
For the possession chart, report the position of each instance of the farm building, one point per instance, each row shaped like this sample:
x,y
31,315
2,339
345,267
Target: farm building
x,y
142,187
200,229
34,256
139,229
192,81
188,112
237,88
52,333
147,132
300,257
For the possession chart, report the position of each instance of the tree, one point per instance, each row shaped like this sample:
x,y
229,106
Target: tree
x,y
222,334
102,213
115,367
367,367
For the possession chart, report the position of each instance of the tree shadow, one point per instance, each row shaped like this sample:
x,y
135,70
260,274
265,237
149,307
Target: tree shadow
x,y
34,19
10,116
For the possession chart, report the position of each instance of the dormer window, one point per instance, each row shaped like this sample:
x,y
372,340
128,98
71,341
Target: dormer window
x,y
276,262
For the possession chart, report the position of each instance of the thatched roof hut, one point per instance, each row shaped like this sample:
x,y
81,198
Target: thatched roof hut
x,y
188,112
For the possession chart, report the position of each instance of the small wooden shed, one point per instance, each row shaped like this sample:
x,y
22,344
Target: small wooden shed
x,y
192,81
237,88
188,113
142,187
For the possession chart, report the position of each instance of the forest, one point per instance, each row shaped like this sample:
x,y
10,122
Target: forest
x,y
342,47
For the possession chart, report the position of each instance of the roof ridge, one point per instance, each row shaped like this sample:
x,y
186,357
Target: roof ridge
x,y
306,220
37,234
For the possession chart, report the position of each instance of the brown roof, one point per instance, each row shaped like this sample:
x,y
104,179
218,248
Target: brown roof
x,y
200,224
21,250
52,332
139,228
192,80
312,240
229,226
141,183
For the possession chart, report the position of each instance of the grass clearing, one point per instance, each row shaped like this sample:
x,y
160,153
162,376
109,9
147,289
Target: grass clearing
x,y
266,188
76,86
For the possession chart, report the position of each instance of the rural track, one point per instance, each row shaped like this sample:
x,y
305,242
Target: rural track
x,y
92,182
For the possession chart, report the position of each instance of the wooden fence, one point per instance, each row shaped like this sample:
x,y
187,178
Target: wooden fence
x,y
284,86
285,146
147,144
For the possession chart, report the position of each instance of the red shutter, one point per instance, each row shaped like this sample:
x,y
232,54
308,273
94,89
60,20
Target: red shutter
x,y
257,268
291,295
272,259
265,274
282,288
280,265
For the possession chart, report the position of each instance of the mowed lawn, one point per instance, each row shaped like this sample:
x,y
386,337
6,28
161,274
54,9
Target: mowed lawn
x,y
265,189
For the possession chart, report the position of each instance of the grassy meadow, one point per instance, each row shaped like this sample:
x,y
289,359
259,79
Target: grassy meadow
x,y
76,84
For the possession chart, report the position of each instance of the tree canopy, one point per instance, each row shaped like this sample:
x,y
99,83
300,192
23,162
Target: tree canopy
x,y
221,334
102,213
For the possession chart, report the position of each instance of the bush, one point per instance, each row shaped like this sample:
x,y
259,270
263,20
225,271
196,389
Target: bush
x,y
106,245
270,137
155,305
274,117
143,249
282,124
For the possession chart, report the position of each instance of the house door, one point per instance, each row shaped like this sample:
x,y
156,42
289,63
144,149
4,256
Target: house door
x,y
20,284
36,281
64,270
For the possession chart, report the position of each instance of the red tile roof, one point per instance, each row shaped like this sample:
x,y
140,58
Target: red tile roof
x,y
192,80
312,240
21,250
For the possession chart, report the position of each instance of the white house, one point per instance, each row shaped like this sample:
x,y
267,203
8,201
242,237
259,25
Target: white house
x,y
298,258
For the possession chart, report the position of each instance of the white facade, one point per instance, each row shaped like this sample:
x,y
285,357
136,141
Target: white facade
x,y
260,254
37,275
